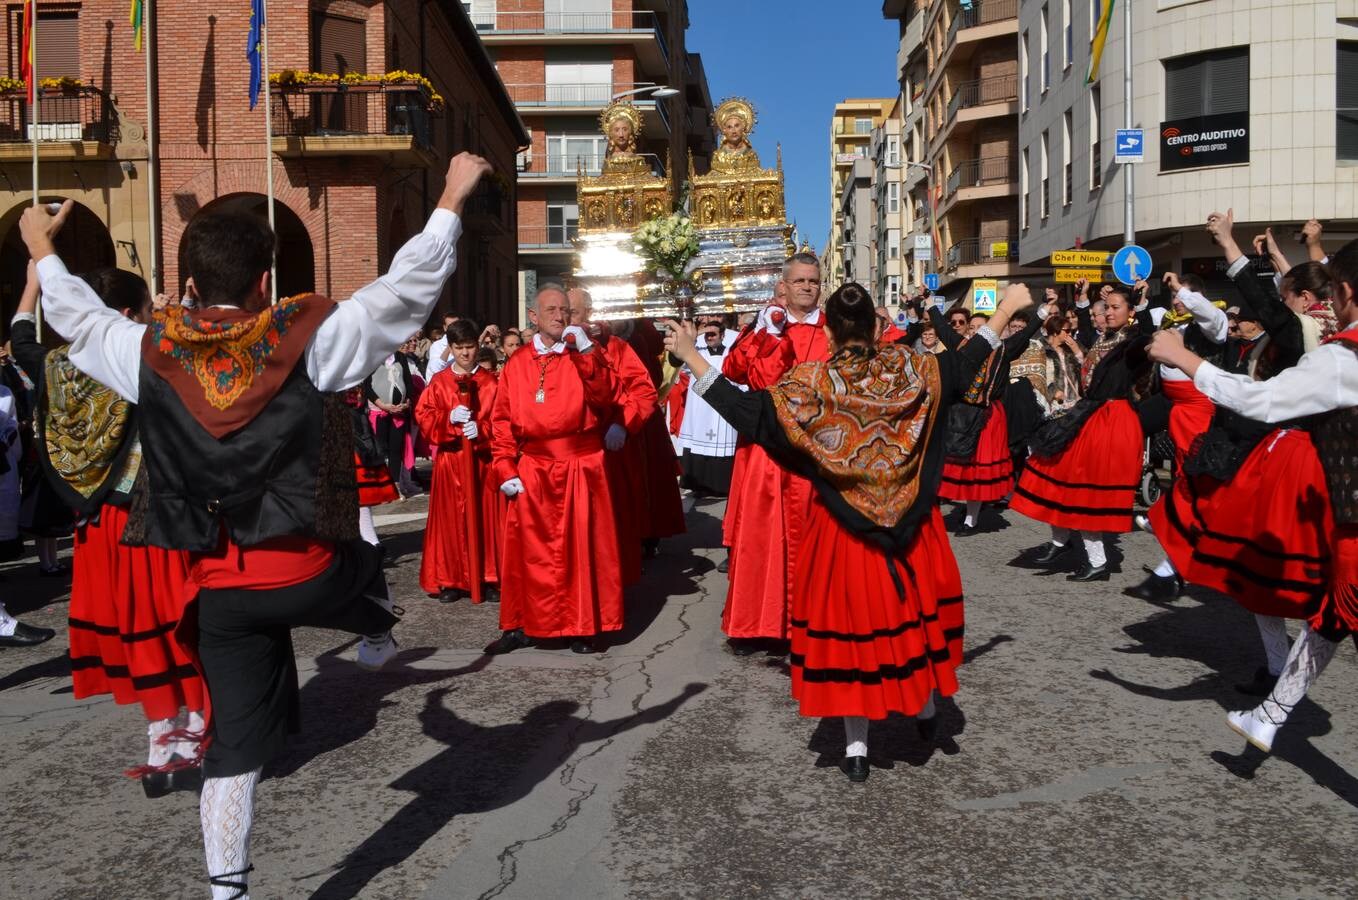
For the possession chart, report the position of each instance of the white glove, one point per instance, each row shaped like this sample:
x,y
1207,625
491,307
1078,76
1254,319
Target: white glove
x,y
459,415
765,321
582,341
512,488
470,431
615,437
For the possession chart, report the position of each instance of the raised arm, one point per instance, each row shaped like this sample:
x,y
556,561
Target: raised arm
x,y
28,352
360,333
949,338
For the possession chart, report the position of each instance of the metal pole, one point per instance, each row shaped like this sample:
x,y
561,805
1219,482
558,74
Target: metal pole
x,y
152,198
1128,169
268,139
33,123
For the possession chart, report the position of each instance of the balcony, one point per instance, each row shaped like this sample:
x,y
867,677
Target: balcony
x,y
330,119
487,210
982,252
547,238
985,97
997,16
980,179
73,124
641,28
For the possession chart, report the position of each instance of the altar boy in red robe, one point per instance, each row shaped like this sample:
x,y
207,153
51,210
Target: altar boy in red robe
x,y
561,572
454,415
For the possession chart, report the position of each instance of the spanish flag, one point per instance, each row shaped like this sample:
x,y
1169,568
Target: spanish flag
x,y
137,18
1100,38
26,53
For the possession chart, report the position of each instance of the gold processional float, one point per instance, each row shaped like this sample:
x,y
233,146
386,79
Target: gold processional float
x,y
722,252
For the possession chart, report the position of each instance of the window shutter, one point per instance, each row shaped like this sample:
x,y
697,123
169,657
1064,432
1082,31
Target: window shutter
x,y
1208,84
58,45
1346,101
338,45
1183,87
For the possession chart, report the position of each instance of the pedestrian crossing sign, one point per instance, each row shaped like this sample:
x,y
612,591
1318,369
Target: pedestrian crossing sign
x,y
984,294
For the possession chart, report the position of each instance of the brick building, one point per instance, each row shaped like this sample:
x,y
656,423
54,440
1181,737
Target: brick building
x,y
562,62
356,166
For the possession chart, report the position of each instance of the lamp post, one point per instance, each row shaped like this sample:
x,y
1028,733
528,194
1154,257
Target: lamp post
x,y
929,187
657,91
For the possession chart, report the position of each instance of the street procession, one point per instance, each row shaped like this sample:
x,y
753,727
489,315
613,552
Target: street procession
x,y
463,450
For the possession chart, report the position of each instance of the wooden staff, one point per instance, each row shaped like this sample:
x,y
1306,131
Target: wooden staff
x,y
472,496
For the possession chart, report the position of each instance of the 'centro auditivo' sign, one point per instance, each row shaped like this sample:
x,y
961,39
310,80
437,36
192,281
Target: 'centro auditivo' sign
x,y
1220,140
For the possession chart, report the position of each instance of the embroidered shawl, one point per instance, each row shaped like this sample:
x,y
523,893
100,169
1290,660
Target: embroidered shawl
x,y
226,364
865,419
88,436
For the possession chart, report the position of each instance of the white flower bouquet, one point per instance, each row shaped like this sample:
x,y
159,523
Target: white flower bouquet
x,y
666,245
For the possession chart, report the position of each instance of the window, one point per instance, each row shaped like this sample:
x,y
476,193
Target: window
x,y
1024,202
563,216
1045,49
1346,101
338,45
893,290
578,15
893,197
1044,166
893,243
1208,84
1023,71
893,150
1068,31
578,80
1095,145
481,12
862,125
58,45
1067,186
567,152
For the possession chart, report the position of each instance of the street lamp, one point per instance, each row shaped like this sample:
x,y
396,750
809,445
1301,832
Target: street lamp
x,y
657,91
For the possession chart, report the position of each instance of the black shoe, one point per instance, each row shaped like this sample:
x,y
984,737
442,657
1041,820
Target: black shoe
x,y
724,566
158,784
743,646
26,636
511,640
1091,573
1157,588
451,595
1261,685
965,530
55,571
1045,556
927,728
856,767
650,548
490,594
586,645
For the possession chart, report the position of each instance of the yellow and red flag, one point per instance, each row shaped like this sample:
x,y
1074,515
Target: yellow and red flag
x,y
1100,38
26,54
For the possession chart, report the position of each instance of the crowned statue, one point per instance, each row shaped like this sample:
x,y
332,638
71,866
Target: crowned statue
x,y
621,124
735,119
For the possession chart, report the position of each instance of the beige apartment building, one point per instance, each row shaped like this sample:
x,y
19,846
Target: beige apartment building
x,y
959,77
562,62
851,128
1255,109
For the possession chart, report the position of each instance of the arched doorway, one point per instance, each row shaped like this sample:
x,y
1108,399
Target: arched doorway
x,y
296,260
83,244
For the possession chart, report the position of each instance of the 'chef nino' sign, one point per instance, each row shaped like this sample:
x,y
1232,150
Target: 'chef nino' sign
x,y
1220,140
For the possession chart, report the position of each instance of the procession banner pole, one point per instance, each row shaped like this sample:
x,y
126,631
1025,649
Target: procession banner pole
x,y
268,137
152,197
35,101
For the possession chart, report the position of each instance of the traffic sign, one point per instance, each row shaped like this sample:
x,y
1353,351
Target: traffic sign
x,y
1070,276
1129,146
931,281
984,295
1084,258
1131,264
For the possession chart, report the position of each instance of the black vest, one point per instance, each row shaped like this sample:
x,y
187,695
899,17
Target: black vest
x,y
1336,438
290,471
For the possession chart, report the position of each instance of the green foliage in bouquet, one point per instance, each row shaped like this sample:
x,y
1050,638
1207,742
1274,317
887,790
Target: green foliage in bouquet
x,y
666,245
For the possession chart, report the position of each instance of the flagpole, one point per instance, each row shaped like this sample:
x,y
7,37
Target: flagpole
x,y
152,194
33,110
268,136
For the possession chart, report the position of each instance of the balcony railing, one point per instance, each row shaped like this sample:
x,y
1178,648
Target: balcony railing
x,y
567,22
78,114
556,166
597,94
981,172
978,251
983,92
982,13
547,237
338,110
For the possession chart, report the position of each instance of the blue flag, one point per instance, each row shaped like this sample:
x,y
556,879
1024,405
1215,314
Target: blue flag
x,y
255,50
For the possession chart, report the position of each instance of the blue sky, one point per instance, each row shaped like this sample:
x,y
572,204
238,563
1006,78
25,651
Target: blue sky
x,y
794,60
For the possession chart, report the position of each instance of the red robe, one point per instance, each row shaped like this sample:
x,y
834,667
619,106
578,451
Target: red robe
x,y
663,506
561,575
446,548
767,510
633,400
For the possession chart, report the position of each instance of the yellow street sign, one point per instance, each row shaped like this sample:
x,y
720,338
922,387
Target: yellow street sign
x,y
1070,276
1080,258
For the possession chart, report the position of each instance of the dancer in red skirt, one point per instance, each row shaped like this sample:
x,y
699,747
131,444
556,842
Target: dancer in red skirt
x,y
877,615
1086,464
375,485
1204,327
125,601
978,468
1243,478
1322,390
454,414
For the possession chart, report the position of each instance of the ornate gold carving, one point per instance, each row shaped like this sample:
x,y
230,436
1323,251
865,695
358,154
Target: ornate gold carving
x,y
627,193
737,199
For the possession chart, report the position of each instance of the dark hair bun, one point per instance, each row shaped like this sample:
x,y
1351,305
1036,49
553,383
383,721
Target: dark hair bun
x,y
850,314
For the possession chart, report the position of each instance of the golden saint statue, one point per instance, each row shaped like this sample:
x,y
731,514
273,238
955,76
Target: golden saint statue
x,y
735,119
621,124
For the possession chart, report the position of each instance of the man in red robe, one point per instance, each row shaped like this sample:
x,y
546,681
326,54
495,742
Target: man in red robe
x,y
453,413
561,575
768,505
664,506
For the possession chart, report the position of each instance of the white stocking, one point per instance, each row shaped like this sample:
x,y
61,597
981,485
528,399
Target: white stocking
x,y
1165,569
855,736
1309,657
1094,550
159,753
1060,536
227,809
973,512
366,529
7,622
1273,630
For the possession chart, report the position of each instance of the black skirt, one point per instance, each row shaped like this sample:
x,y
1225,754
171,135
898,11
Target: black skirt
x,y
709,475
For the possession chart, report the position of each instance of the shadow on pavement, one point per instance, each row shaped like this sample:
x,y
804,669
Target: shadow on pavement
x,y
52,667
481,769
892,740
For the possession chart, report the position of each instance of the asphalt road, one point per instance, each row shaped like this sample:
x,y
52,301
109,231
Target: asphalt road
x,y
1086,755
